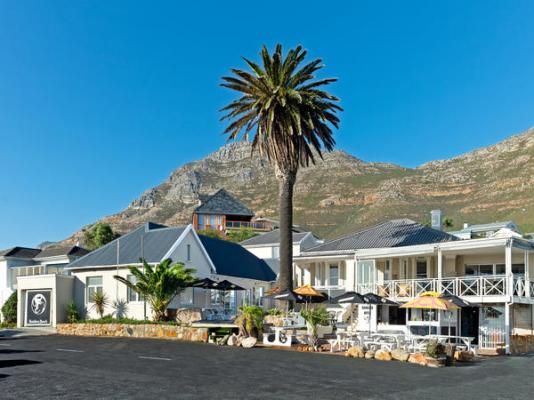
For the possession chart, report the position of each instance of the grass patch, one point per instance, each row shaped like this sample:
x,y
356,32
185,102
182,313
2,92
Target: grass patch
x,y
7,325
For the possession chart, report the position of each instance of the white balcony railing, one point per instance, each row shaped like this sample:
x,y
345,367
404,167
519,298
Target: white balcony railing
x,y
476,286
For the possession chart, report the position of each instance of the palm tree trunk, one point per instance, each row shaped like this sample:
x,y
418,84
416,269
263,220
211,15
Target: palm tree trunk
x,y
286,184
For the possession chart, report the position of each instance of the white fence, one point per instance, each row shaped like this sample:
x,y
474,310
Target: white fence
x,y
476,286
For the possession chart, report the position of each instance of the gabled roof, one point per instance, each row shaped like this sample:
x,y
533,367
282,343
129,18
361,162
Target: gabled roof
x,y
156,241
273,238
393,233
234,260
223,202
73,251
20,252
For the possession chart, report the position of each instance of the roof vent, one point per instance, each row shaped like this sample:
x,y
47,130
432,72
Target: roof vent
x,y
435,219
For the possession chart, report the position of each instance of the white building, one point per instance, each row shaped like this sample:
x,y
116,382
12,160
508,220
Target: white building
x,y
400,259
24,261
267,246
213,258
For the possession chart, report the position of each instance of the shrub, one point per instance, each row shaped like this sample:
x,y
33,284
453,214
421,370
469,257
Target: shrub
x,y
275,312
315,317
72,312
9,309
435,349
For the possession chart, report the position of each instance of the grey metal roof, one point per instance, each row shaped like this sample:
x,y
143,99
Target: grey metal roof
x,y
492,226
223,202
272,237
73,251
393,233
20,252
234,260
156,239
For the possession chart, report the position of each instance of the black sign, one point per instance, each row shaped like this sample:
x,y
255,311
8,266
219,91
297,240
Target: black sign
x,y
38,307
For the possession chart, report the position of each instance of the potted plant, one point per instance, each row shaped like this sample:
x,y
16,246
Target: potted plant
x,y
315,317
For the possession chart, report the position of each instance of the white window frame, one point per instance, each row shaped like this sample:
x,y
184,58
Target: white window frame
x,y
96,287
132,293
330,268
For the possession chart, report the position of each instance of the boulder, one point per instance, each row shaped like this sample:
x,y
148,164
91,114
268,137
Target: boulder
x,y
417,358
355,352
383,355
238,340
436,362
249,342
460,355
223,341
232,340
400,355
370,354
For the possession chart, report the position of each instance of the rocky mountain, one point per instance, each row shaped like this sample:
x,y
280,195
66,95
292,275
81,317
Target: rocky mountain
x,y
343,193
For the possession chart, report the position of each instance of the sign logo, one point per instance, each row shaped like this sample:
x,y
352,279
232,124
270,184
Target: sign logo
x,y
38,304
38,307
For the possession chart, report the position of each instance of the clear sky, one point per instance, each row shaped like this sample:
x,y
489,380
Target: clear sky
x,y
100,100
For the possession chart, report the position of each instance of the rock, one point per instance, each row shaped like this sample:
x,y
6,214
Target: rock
x,y
417,358
223,341
370,354
383,355
355,352
238,341
232,340
435,362
249,342
460,355
400,355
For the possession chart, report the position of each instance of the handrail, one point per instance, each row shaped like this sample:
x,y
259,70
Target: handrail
x,y
476,286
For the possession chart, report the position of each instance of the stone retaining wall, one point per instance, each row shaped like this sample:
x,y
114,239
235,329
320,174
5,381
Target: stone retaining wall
x,y
522,344
185,333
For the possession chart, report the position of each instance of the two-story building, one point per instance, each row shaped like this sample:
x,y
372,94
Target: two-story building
x,y
400,259
24,261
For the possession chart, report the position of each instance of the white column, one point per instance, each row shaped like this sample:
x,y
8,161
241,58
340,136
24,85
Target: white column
x,y
527,274
307,275
509,277
508,268
440,269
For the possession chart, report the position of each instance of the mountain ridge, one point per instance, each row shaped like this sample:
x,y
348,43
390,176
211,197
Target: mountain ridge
x,y
342,192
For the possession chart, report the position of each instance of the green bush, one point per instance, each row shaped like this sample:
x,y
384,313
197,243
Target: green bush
x,y
9,309
72,312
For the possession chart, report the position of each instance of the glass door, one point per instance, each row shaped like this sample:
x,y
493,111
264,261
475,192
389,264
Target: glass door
x,y
366,276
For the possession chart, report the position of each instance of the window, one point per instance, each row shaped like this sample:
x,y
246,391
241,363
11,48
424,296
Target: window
x,y
188,252
518,269
334,275
94,285
421,270
132,295
485,269
387,271
257,296
187,296
276,252
366,274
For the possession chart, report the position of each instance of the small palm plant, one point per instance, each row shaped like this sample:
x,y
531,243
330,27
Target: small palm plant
x,y
100,301
72,312
250,320
159,284
314,318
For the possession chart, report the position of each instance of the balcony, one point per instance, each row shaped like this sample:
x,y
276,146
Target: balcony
x,y
496,287
256,226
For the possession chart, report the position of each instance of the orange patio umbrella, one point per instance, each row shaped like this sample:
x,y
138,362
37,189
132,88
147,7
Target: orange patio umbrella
x,y
308,291
432,301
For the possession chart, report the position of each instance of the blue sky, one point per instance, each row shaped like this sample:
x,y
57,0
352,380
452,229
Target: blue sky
x,y
100,100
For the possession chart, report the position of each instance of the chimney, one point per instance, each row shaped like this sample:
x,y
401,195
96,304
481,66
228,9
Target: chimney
x,y
435,219
466,225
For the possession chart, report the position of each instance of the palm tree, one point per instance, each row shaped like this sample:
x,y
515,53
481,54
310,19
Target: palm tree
x,y
291,119
159,284
100,302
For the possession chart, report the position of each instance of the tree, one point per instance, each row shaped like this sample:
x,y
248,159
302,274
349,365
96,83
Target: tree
x,y
99,235
9,309
212,233
448,222
159,284
250,320
291,119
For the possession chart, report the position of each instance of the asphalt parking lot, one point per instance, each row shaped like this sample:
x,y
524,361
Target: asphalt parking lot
x,y
52,367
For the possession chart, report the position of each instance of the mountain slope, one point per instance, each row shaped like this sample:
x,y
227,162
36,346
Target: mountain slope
x,y
342,193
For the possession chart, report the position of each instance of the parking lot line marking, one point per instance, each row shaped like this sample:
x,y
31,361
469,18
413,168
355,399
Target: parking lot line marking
x,y
155,358
5,344
70,350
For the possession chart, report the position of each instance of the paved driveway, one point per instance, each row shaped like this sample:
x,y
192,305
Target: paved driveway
x,y
116,368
